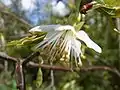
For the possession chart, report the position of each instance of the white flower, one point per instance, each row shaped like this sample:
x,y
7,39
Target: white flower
x,y
68,39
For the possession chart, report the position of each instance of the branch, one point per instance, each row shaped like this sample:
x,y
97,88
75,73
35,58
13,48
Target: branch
x,y
19,75
31,64
4,56
30,57
82,69
17,18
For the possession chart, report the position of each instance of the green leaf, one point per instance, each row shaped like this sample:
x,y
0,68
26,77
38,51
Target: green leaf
x,y
77,4
2,39
113,11
79,25
39,79
112,3
28,87
32,39
100,1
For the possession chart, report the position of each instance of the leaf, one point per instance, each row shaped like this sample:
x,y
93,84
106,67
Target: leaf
x,y
39,78
32,39
113,11
2,40
113,3
100,1
77,4
110,3
79,25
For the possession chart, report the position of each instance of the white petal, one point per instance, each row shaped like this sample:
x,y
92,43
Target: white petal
x,y
53,38
73,47
76,46
65,27
85,38
54,32
50,29
44,28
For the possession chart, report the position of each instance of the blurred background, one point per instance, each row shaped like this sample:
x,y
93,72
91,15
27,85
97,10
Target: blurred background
x,y
18,16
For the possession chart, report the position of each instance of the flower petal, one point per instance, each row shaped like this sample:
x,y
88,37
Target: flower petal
x,y
73,47
44,28
51,29
53,38
65,27
76,46
85,38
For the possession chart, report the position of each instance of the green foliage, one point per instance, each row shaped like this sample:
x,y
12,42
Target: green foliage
x,y
7,82
25,44
112,3
97,25
29,40
109,7
39,79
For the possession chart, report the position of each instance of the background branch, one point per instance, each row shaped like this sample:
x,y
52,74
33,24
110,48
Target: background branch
x,y
17,18
82,69
4,9
4,56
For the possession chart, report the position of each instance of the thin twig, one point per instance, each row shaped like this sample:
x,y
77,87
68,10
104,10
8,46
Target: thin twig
x,y
17,18
30,57
82,69
33,65
4,56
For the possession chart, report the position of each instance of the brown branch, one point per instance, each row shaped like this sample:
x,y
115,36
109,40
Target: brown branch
x,y
18,70
32,64
82,69
19,75
4,56
30,57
